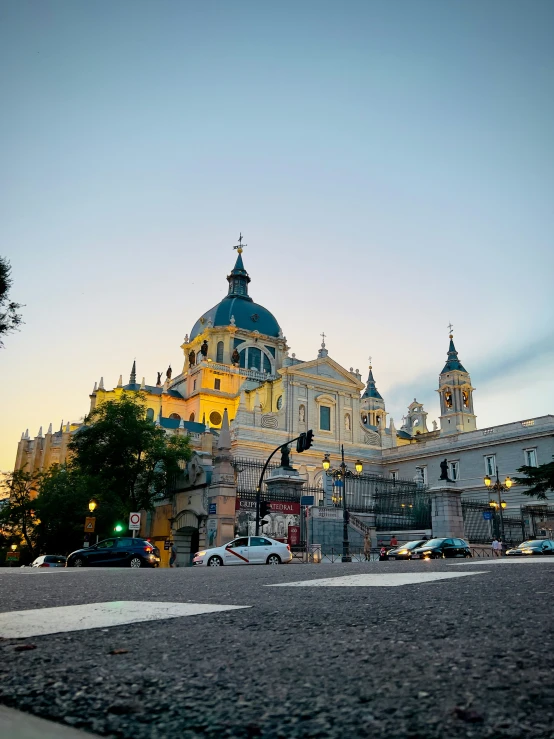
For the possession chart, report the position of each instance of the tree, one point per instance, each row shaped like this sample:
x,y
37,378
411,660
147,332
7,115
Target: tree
x,y
10,319
130,459
18,516
540,479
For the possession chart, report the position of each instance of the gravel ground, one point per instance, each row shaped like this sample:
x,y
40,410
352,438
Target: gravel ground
x,y
467,657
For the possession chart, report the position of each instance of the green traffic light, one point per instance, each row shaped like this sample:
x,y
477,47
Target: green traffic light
x,y
118,527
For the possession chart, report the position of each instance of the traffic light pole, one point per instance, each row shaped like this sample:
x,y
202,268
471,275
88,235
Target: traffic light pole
x,y
260,483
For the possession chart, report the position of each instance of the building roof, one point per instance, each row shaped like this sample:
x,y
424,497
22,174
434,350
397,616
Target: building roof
x,y
240,307
192,426
371,391
453,363
153,389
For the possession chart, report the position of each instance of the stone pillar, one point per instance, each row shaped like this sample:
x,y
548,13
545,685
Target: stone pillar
x,y
283,484
446,511
222,493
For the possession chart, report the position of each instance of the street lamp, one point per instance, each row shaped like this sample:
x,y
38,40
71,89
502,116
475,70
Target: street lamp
x,y
341,473
92,505
14,547
499,487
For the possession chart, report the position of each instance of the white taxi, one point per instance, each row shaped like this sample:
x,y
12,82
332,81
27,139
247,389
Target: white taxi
x,y
246,550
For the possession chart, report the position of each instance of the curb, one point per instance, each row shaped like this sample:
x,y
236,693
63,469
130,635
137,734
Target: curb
x,y
18,725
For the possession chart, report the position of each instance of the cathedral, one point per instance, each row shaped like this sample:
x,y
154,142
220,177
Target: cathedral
x,y
239,382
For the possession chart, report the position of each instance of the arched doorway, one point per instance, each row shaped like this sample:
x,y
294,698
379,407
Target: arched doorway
x,y
185,532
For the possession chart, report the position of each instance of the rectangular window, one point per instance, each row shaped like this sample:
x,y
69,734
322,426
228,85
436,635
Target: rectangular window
x,y
394,475
194,385
325,418
217,384
421,473
490,465
454,470
531,457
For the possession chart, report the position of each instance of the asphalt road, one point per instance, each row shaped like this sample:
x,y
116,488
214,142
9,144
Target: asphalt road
x,y
467,656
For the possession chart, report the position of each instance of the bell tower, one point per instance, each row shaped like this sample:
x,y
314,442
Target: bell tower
x,y
372,407
456,395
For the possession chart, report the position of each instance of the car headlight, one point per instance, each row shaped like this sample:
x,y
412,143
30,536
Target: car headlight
x,y
429,551
527,551
403,551
200,554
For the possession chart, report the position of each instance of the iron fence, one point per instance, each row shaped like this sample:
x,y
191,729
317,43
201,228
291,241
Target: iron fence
x,y
482,529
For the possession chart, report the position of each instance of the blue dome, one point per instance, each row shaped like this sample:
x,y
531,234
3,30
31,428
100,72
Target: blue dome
x,y
247,314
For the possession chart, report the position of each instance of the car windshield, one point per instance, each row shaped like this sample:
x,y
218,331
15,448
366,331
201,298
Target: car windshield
x,y
433,542
413,544
531,543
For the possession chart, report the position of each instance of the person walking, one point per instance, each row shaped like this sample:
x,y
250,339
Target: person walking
x,y
394,541
172,555
495,546
367,547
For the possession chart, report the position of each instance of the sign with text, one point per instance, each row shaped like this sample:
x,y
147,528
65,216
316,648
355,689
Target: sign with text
x,y
487,515
293,536
275,506
212,509
134,521
90,523
167,544
12,556
307,500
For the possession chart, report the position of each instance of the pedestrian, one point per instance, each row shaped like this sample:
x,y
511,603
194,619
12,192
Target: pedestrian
x,y
503,547
495,547
394,541
367,547
172,555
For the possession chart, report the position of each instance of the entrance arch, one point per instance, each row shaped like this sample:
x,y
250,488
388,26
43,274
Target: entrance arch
x,y
185,532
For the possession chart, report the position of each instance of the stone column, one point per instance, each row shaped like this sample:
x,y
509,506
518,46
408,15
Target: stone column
x,y
446,511
222,493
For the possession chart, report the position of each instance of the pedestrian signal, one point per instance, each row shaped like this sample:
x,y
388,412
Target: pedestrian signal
x,y
304,441
264,508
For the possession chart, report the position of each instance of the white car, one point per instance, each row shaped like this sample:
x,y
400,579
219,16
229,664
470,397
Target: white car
x,y
246,550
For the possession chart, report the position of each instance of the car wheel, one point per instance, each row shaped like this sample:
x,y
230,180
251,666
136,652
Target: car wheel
x,y
273,559
135,562
79,562
467,554
215,562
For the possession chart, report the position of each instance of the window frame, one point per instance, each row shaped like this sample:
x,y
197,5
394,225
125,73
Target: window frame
x,y
454,464
526,452
488,471
217,383
423,469
327,408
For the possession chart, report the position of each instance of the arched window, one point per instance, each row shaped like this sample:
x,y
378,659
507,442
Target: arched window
x,y
191,418
255,358
150,414
176,416
219,352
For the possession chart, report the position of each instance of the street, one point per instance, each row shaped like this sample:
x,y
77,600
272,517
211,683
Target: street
x,y
397,649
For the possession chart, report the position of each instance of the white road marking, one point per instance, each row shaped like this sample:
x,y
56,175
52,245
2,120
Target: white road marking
x,y
40,621
506,560
390,580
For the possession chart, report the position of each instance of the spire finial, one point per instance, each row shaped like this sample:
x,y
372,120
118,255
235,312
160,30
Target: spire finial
x,y
133,376
450,328
322,334
240,246
370,362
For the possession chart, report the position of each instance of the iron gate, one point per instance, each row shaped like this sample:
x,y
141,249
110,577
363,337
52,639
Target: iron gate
x,y
481,530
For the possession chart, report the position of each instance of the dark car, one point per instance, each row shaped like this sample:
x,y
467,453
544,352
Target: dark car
x,y
49,560
443,548
404,551
533,546
116,552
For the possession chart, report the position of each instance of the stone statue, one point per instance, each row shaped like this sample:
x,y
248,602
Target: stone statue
x,y
232,320
434,425
285,458
192,358
301,414
204,348
159,380
444,471
186,338
235,357
347,422
168,373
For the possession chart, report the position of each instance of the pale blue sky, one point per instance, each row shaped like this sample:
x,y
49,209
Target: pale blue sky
x,y
390,163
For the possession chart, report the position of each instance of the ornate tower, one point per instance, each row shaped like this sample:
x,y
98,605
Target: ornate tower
x,y
456,396
416,420
372,407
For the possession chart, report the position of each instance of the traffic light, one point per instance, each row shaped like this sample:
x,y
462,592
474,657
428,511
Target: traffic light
x,y
264,508
304,441
118,528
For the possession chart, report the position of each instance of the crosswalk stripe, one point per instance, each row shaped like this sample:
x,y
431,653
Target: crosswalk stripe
x,y
389,580
41,621
507,560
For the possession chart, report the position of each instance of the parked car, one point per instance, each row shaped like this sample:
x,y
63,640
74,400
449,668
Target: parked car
x,y
246,550
404,551
49,560
533,546
444,548
117,552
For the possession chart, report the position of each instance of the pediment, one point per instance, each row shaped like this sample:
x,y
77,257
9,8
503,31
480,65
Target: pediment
x,y
324,368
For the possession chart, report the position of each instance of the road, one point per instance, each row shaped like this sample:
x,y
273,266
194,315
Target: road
x,y
373,650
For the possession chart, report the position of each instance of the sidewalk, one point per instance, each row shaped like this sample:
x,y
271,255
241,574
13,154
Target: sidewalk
x,y
17,725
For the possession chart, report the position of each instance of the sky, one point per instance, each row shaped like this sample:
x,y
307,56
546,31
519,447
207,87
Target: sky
x,y
390,164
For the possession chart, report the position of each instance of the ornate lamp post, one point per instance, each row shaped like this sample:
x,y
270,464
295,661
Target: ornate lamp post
x,y
92,505
499,487
341,473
